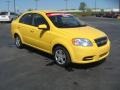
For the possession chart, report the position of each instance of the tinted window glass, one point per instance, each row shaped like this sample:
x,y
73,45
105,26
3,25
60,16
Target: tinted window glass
x,y
65,20
13,13
38,20
26,19
3,13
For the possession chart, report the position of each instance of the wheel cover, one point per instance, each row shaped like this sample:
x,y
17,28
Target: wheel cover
x,y
17,42
60,57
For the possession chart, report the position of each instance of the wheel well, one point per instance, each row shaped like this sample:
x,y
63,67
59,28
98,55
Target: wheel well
x,y
57,46
68,53
15,35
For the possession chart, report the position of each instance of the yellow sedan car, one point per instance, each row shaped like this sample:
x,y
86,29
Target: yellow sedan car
x,y
62,35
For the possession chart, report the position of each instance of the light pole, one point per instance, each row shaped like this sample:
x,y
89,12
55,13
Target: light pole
x,y
14,6
119,6
36,4
95,6
8,4
66,4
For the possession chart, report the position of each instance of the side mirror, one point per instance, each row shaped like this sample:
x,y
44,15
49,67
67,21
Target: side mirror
x,y
42,26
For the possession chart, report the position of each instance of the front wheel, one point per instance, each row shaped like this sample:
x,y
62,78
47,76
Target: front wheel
x,y
18,42
61,56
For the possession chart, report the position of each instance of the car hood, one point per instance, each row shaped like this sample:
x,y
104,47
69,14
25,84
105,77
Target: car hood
x,y
83,32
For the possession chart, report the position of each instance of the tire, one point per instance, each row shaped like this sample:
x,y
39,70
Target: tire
x,y
18,42
11,20
61,56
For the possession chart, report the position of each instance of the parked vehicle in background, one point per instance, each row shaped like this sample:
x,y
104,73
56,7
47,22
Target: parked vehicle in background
x,y
7,16
108,14
99,15
116,15
111,14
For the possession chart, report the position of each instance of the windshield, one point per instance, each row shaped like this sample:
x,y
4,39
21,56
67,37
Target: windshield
x,y
65,20
3,13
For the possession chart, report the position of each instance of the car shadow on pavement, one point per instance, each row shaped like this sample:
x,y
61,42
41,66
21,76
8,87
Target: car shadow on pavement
x,y
68,68
84,66
33,50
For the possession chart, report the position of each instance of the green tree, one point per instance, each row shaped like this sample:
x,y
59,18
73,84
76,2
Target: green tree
x,y
82,6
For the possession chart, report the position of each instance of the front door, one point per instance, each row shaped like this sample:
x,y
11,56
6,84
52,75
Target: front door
x,y
41,38
24,28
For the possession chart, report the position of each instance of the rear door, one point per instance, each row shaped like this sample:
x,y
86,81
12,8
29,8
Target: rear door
x,y
24,28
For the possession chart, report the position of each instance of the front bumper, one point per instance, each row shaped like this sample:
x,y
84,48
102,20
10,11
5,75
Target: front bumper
x,y
84,55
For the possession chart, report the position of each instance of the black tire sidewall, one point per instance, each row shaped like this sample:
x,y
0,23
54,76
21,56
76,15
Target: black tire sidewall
x,y
21,45
68,58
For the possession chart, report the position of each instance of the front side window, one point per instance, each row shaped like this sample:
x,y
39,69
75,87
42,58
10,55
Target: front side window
x,y
26,19
62,20
38,20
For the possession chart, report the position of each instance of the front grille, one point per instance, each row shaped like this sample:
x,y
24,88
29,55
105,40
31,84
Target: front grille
x,y
101,41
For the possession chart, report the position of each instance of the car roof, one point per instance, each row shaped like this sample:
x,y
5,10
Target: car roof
x,y
44,11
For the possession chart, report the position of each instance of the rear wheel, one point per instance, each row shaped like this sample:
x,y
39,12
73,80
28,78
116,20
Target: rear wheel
x,y
11,20
18,42
61,56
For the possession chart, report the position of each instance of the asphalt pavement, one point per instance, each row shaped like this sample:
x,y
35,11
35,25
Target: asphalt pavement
x,y
30,69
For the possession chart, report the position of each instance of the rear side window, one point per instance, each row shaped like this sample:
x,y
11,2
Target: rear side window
x,y
26,19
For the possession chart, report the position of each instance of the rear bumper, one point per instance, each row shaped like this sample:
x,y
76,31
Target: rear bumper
x,y
5,20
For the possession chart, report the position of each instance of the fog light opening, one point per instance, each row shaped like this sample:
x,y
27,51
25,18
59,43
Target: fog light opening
x,y
88,58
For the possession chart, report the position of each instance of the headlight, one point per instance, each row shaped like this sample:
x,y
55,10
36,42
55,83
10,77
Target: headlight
x,y
82,42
